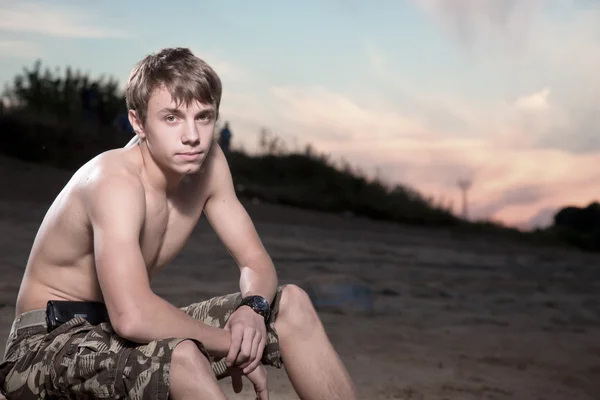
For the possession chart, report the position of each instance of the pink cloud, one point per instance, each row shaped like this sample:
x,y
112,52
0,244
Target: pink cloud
x,y
406,150
503,144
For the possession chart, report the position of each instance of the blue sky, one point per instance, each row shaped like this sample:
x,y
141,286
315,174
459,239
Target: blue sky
x,y
503,92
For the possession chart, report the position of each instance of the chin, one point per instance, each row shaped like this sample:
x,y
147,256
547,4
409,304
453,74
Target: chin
x,y
191,171
192,168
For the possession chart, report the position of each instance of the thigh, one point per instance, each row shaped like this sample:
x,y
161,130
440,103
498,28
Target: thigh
x,y
73,361
21,361
86,362
93,362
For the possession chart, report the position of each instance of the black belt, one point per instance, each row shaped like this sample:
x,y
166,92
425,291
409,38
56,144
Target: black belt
x,y
58,312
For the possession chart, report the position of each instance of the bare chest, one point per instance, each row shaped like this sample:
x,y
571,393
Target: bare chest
x,y
167,228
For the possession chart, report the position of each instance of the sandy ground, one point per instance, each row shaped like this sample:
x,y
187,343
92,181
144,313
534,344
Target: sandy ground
x,y
456,317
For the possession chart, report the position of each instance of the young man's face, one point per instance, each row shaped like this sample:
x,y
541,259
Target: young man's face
x,y
178,138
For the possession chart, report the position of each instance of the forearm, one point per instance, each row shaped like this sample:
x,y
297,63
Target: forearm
x,y
156,319
259,278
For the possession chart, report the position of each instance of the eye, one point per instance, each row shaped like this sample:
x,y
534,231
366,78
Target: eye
x,y
170,118
205,117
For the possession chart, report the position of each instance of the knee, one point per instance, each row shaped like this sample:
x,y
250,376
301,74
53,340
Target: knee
x,y
188,356
296,311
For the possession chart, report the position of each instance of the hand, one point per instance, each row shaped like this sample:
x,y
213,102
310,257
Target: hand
x,y
258,377
248,339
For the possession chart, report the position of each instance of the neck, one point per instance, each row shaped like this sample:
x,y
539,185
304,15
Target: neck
x,y
155,175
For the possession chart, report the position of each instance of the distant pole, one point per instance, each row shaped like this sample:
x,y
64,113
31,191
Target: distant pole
x,y
464,185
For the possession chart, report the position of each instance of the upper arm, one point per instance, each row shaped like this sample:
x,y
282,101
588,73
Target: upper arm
x,y
116,206
227,215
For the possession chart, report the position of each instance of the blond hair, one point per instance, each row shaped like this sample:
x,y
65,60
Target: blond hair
x,y
187,77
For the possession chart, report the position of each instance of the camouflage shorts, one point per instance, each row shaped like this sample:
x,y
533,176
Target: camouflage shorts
x,y
81,361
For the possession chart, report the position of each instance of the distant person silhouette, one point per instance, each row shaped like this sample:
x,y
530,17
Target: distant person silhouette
x,y
225,137
90,99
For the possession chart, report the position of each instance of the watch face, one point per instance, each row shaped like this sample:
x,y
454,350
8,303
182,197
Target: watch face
x,y
261,303
258,304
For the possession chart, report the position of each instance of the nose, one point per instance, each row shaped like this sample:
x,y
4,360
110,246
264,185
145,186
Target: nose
x,y
191,135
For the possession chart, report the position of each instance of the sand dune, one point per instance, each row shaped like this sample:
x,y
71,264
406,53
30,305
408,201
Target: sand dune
x,y
456,317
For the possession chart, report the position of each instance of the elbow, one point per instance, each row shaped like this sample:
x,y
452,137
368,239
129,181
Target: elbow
x,y
129,318
127,326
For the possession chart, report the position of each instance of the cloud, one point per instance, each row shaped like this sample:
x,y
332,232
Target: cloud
x,y
542,219
581,135
53,20
517,184
534,102
18,48
527,194
333,117
521,43
502,24
528,141
510,183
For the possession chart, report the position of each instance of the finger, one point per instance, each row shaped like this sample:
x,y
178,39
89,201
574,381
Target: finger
x,y
256,355
246,347
236,342
236,382
259,380
260,351
264,395
253,351
255,345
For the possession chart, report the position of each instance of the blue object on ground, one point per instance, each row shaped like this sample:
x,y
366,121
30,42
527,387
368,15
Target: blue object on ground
x,y
340,294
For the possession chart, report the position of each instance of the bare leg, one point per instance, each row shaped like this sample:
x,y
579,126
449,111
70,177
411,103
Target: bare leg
x,y
191,376
313,366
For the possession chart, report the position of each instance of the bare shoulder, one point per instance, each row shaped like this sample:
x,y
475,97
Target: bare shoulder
x,y
218,174
116,167
112,183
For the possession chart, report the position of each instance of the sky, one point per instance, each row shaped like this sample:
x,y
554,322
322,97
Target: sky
x,y
503,93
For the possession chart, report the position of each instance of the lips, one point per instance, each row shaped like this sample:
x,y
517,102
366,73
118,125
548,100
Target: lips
x,y
190,155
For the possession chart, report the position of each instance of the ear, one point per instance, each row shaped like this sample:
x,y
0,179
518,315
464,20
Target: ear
x,y
137,125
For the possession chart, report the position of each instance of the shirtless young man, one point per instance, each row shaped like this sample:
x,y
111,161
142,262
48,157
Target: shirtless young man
x,y
123,216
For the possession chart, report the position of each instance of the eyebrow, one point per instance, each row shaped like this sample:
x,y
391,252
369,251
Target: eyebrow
x,y
170,110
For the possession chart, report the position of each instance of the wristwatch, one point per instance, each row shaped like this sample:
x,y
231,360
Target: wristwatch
x,y
258,304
